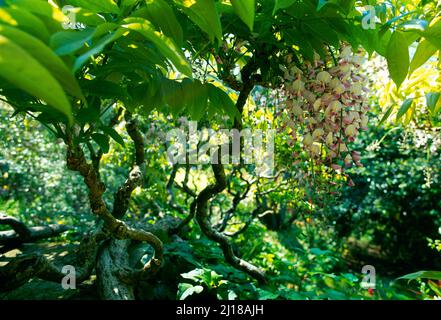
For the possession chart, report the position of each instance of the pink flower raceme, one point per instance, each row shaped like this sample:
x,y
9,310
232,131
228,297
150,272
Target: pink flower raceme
x,y
327,106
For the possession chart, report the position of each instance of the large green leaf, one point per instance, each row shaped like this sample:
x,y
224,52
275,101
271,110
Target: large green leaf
x,y
321,30
204,14
433,33
97,48
48,11
434,275
245,10
25,72
104,89
102,140
161,15
398,57
383,42
70,41
41,8
164,44
282,4
114,135
67,42
173,93
25,21
345,5
220,100
296,37
195,97
128,4
424,51
45,57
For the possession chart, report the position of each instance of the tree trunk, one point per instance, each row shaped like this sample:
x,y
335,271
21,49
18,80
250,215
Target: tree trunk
x,y
112,258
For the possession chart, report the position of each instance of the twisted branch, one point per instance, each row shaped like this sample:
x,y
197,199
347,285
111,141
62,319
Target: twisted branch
x,y
207,229
123,195
76,161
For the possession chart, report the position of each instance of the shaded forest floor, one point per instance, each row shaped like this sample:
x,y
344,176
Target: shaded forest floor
x,y
37,289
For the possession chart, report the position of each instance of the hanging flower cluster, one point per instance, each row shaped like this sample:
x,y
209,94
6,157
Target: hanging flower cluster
x,y
327,106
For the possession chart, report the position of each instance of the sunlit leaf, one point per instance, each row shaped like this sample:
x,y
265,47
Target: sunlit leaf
x,y
25,72
398,57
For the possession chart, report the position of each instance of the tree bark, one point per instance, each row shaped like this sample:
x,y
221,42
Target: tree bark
x,y
11,237
112,258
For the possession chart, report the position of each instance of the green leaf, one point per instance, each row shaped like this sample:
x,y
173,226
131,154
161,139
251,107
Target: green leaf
x,y
67,42
164,44
204,14
102,140
104,89
195,98
404,108
435,287
22,70
345,5
54,17
45,57
245,10
295,36
173,92
97,6
282,4
88,115
398,57
386,115
188,290
127,4
87,17
195,274
432,99
433,33
267,295
97,48
321,4
318,251
434,275
220,100
350,277
382,43
25,21
114,135
424,51
161,15
321,30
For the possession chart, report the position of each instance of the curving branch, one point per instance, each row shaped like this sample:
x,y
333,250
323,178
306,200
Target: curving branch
x,y
21,270
238,197
210,232
187,220
190,193
76,161
171,195
123,195
12,238
22,231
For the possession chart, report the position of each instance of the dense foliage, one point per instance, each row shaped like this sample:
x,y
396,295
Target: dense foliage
x,y
90,92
